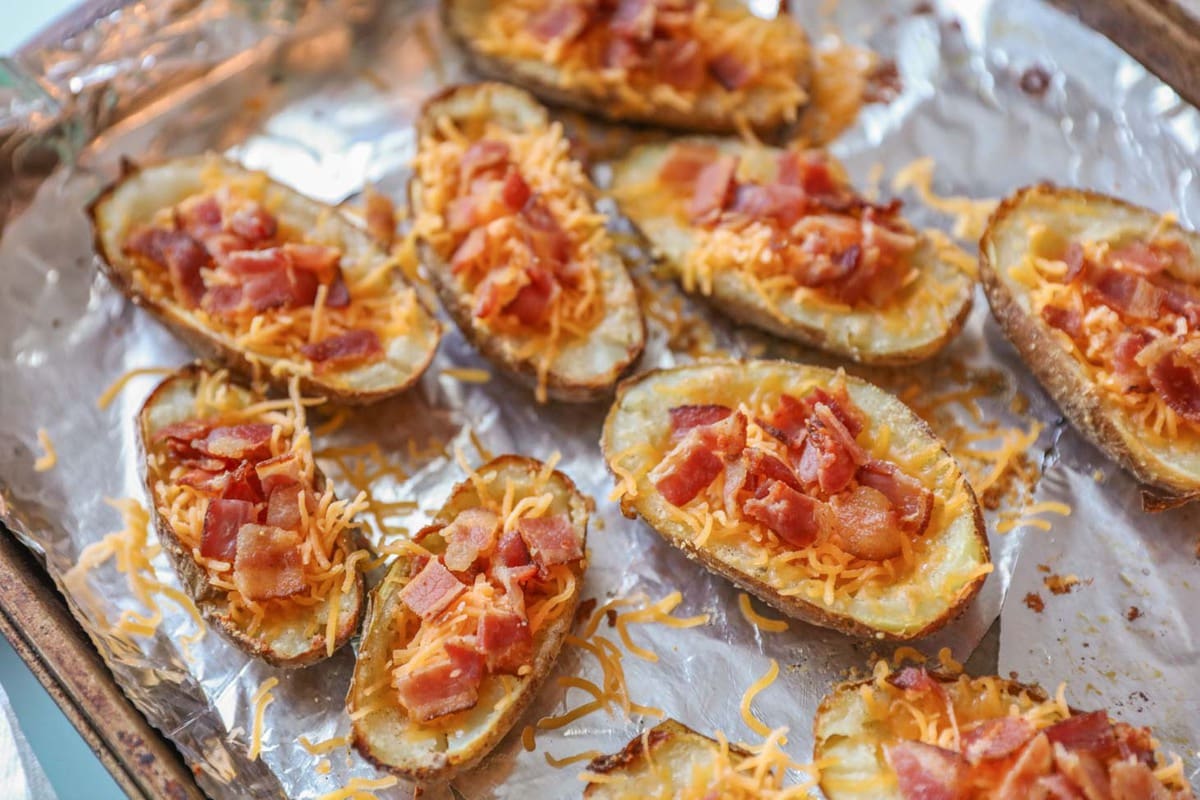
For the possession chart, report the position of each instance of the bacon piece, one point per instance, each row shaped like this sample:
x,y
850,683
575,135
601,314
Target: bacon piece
x,y
248,441
1035,762
776,202
506,641
484,156
533,300
551,540
380,214
1067,320
470,536
511,550
432,590
469,250
222,299
444,686
633,19
917,679
830,456
241,483
684,163
515,192
808,171
1125,350
559,22
678,64
1073,257
181,254
268,564
253,223
1174,377
183,432
545,237
1141,258
319,259
866,525
280,471
351,347
926,772
222,521
1054,787
762,467
790,418
995,739
730,71
685,418
1136,743
283,507
199,216
842,406
1136,781
1091,732
696,461
912,502
712,191
1084,771
513,580
794,517
1130,294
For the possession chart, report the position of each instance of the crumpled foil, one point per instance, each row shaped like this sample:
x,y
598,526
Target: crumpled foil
x,y
328,107
21,774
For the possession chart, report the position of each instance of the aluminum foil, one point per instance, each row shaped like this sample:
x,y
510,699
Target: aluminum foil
x,y
328,107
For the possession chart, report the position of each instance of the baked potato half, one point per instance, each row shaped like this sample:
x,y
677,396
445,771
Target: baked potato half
x,y
672,760
915,734
520,257
712,67
266,281
1102,300
461,633
817,492
780,241
260,541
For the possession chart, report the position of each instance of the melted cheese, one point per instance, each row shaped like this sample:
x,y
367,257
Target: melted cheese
x,y
776,47
544,161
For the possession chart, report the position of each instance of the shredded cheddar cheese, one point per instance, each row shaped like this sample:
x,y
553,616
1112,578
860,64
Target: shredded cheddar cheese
x,y
753,722
361,788
756,619
117,386
322,747
774,50
49,457
970,215
467,374
261,699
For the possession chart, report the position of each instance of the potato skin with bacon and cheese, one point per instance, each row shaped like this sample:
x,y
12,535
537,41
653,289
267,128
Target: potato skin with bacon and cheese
x,y
859,724
290,635
576,366
433,751
915,321
950,557
144,192
709,107
1168,466
670,746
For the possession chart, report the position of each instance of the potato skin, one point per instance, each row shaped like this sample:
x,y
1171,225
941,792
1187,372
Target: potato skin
x,y
426,767
1083,403
458,19
794,607
207,346
498,349
195,578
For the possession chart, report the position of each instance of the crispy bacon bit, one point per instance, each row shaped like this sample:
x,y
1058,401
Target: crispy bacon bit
x,y
445,686
470,536
866,524
484,156
432,590
551,540
511,550
679,64
1034,762
684,164
688,475
515,192
506,641
180,253
469,251
912,502
241,483
253,223
713,188
775,201
1140,257
730,71
251,441
1174,376
560,22
534,300
351,347
926,772
1131,375
321,260
199,216
1055,787
1073,257
684,418
1091,732
995,739
792,516
830,456
283,507
513,580
1067,320
1135,781
268,564
762,467
916,679
1083,770
183,432
278,472
1125,292
222,521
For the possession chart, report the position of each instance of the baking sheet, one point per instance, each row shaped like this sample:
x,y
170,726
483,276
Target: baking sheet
x,y
328,107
